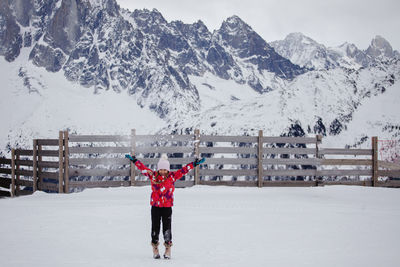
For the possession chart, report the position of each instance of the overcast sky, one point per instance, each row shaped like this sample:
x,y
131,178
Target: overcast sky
x,y
330,22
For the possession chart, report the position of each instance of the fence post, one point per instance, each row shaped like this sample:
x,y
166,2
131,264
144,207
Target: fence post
x,y
40,177
197,155
260,158
13,172
318,140
374,178
34,165
66,162
60,162
133,149
17,168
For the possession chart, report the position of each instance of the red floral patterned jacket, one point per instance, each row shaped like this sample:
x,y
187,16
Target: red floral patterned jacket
x,y
163,188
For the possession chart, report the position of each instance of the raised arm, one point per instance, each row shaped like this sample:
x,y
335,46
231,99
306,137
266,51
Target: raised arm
x,y
143,169
187,168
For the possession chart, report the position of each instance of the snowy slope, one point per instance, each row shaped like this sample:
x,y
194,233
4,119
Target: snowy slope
x,y
323,102
318,102
377,116
37,104
212,226
214,91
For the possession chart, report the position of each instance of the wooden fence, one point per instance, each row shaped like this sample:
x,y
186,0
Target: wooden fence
x,y
73,162
41,168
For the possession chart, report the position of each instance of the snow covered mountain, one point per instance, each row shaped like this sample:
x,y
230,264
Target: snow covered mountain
x,y
380,48
133,69
318,102
304,51
98,45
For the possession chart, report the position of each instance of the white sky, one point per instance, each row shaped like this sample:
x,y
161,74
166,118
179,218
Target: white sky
x,y
330,22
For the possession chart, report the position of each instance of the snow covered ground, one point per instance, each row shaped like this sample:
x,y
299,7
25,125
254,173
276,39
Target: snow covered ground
x,y
212,226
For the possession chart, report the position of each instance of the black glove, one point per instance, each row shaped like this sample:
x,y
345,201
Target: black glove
x,y
132,158
197,161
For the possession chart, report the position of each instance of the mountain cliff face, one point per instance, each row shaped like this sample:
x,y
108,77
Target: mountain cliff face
x,y
228,80
380,48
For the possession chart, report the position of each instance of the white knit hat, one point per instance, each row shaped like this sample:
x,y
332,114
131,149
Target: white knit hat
x,y
163,163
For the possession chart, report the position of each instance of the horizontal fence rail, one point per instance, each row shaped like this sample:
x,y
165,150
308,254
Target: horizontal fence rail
x,y
99,138
74,162
164,138
340,151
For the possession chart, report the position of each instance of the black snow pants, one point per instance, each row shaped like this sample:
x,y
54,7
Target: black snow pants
x,y
158,215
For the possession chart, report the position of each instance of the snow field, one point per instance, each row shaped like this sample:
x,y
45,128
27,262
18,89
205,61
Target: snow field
x,y
211,226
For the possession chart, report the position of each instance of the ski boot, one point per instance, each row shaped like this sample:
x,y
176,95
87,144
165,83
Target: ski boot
x,y
167,254
156,253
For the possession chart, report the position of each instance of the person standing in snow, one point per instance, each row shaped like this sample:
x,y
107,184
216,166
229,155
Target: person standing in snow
x,y
162,198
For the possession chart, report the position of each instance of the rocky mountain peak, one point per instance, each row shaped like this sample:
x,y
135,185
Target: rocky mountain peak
x,y
150,17
110,6
234,31
235,25
304,51
244,43
200,26
350,52
350,49
380,48
300,38
197,27
241,37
